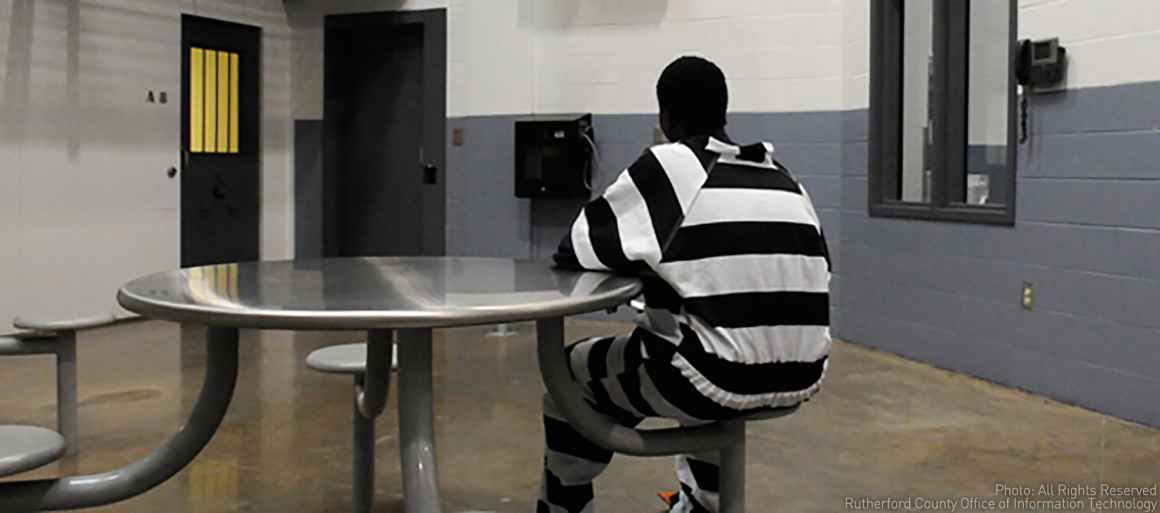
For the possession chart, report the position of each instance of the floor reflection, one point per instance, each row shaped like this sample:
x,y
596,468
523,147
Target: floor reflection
x,y
882,426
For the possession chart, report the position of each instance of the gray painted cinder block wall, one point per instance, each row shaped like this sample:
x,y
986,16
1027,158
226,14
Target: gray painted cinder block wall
x,y
1087,236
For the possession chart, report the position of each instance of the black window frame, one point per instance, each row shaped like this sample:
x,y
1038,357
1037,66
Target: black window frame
x,y
951,34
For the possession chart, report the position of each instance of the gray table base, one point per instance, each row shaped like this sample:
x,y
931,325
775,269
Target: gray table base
x,y
77,492
371,367
372,387
417,422
416,428
409,294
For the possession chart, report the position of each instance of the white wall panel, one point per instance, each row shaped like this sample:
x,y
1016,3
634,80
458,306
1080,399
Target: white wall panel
x,y
85,202
1105,40
780,55
855,40
499,59
603,56
502,43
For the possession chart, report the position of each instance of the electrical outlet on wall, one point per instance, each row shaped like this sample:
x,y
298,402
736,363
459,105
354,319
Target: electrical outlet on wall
x,y
1028,298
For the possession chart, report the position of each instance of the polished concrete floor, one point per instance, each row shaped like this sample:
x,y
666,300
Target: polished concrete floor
x,y
881,427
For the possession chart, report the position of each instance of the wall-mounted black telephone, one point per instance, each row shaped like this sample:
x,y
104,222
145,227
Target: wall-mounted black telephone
x,y
1041,65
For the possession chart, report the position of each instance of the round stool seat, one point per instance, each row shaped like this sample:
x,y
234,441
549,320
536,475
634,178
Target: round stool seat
x,y
340,359
23,448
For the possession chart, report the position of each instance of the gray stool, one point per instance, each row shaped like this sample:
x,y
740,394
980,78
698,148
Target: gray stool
x,y
23,448
63,345
728,437
352,359
58,337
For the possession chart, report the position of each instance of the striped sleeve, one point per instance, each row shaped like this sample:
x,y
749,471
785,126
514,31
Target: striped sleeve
x,y
627,228
821,232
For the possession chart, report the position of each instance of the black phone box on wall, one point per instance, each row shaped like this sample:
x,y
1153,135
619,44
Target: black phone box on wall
x,y
554,155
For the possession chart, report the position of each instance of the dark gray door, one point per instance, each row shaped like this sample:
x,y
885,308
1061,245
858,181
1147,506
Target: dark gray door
x,y
383,137
220,137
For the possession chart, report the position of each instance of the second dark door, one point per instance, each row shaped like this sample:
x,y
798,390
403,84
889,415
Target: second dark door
x,y
380,174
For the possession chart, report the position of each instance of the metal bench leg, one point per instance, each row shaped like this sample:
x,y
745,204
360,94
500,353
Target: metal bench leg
x,y
732,475
364,457
66,389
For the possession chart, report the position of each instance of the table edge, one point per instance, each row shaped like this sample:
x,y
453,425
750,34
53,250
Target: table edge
x,y
366,320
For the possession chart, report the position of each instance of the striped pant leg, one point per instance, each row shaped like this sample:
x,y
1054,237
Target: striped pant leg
x,y
619,383
571,462
699,482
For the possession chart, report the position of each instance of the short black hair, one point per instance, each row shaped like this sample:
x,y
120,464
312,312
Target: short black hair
x,y
692,90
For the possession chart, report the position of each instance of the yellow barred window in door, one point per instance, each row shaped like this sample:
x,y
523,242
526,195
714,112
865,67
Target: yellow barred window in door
x,y
213,101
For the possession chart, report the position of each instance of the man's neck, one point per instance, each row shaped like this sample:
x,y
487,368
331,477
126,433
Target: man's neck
x,y
718,134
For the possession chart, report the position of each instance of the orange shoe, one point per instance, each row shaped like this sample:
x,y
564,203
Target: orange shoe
x,y
669,498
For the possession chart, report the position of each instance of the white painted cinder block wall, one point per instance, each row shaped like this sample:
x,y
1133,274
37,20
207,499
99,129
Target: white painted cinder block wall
x,y
603,56
84,201
1105,40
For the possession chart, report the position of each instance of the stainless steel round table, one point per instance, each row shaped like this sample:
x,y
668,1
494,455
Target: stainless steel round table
x,y
377,295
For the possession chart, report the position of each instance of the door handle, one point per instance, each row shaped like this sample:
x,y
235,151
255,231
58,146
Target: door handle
x,y
430,174
219,190
171,172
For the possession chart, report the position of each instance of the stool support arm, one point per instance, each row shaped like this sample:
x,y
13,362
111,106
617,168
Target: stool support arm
x,y
94,490
372,393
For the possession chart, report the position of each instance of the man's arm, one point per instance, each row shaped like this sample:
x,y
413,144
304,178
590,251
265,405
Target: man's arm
x,y
565,257
821,232
627,228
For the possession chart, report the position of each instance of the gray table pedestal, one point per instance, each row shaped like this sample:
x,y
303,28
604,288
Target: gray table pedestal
x,y
370,401
417,422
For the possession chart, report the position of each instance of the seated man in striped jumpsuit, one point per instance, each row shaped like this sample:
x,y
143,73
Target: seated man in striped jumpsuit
x,y
736,275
